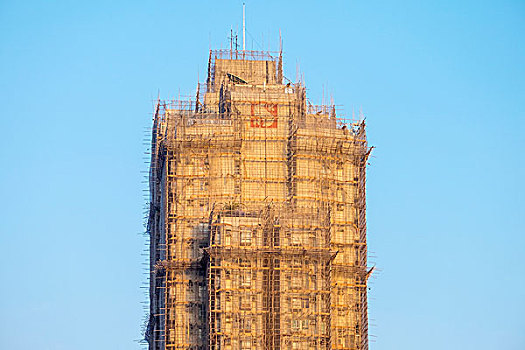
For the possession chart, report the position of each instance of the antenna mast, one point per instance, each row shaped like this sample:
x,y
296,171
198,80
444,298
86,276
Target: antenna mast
x,y
243,27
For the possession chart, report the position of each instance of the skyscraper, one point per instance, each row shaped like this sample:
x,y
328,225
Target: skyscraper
x,y
257,218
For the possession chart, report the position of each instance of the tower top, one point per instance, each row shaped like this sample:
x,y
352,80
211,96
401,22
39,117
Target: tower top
x,y
244,67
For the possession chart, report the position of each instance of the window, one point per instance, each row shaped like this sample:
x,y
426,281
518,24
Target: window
x,y
245,302
246,279
237,187
246,325
244,263
296,282
228,323
246,237
304,324
227,237
296,304
341,198
228,303
313,239
339,171
305,303
237,166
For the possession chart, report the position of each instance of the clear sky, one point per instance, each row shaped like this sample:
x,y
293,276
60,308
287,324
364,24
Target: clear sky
x,y
442,84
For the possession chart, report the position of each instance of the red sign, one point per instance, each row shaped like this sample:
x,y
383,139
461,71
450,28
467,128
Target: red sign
x,y
267,116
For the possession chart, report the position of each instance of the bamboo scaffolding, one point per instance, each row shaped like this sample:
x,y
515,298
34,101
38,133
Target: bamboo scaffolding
x,y
257,218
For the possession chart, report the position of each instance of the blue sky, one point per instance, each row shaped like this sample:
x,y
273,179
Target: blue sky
x,y
442,84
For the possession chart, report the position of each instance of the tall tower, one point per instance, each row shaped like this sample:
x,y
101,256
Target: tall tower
x,y
257,219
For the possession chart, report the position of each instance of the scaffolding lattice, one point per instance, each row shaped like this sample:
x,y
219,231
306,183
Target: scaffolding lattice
x,y
257,216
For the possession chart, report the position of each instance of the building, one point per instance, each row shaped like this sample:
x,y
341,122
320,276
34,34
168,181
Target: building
x,y
257,221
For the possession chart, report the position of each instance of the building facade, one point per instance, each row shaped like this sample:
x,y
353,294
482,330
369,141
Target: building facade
x,y
257,219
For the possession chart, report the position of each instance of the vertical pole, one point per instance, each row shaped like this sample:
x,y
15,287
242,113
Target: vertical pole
x,y
243,26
